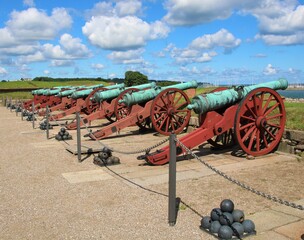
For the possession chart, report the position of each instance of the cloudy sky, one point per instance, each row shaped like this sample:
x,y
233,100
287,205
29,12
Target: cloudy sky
x,y
235,41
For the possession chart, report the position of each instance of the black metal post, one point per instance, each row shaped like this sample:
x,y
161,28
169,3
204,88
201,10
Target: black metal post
x,y
47,114
22,109
11,101
5,102
78,137
172,180
33,114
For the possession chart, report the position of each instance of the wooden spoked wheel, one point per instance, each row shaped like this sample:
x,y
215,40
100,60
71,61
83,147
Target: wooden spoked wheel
x,y
121,110
169,111
260,121
91,104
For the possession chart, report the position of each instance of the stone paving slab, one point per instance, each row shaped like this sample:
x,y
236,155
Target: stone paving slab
x,y
268,236
293,230
269,220
291,211
86,176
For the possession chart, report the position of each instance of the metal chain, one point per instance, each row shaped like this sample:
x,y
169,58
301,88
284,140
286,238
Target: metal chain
x,y
243,185
146,150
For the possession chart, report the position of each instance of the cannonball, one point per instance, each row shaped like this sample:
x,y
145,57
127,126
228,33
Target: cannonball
x,y
62,130
206,222
225,232
103,155
239,228
66,133
215,214
115,160
215,226
238,215
248,225
227,205
226,218
64,137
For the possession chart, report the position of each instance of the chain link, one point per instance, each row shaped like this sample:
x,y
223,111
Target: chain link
x,y
243,185
146,150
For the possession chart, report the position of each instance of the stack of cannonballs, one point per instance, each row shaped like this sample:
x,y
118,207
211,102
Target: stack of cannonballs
x,y
105,158
44,124
19,109
227,222
30,117
25,113
63,135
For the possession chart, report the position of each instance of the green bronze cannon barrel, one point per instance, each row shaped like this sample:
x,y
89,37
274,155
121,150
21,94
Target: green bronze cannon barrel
x,y
68,92
216,100
145,96
54,91
106,95
86,92
43,91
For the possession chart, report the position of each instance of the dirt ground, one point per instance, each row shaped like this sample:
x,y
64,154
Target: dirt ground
x,y
40,201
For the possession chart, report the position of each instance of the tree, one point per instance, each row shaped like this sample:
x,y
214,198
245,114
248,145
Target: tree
x,y
135,78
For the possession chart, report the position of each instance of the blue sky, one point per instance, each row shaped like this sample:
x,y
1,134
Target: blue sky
x,y
236,41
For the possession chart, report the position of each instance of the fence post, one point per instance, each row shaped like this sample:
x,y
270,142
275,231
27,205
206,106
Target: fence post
x,y
47,114
22,109
172,181
78,137
11,102
33,114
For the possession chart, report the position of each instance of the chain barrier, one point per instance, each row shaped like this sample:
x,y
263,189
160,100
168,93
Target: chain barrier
x,y
243,185
146,150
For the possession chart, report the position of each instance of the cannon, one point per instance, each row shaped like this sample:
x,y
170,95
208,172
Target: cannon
x,y
79,100
107,102
164,108
253,116
38,97
57,101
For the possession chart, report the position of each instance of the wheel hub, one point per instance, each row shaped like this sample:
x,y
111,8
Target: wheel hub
x,y
261,122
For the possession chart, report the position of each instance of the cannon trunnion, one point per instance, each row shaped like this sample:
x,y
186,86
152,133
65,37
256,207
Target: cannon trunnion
x,y
252,116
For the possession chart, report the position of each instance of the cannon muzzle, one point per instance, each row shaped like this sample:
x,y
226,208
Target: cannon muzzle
x,y
216,100
145,96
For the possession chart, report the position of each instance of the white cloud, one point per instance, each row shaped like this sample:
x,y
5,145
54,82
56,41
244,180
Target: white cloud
x,y
3,71
97,66
69,49
183,12
73,46
127,57
29,3
280,22
33,24
116,33
202,49
122,33
62,63
222,38
269,70
46,72
115,9
128,7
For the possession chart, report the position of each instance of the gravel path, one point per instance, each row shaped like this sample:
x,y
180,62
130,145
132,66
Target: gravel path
x,y
37,202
